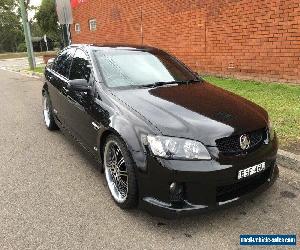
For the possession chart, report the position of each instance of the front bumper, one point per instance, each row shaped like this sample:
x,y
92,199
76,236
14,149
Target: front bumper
x,y
207,185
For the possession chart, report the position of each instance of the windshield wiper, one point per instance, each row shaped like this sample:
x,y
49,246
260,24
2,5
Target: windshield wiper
x,y
158,84
167,83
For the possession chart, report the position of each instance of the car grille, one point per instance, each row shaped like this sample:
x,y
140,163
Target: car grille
x,y
231,191
231,145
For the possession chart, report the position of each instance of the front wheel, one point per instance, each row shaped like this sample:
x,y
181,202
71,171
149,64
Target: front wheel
x,y
119,172
48,113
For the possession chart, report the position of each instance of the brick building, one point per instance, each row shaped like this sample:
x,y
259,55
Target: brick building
x,y
242,38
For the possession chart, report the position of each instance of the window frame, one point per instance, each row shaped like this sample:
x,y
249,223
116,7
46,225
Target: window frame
x,y
87,59
77,27
91,21
66,50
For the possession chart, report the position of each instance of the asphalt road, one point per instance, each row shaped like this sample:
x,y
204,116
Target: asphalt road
x,y
53,196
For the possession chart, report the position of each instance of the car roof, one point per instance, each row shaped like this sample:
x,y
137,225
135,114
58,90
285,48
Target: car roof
x,y
114,47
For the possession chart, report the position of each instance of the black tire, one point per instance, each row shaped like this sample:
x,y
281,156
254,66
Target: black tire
x,y
48,114
132,192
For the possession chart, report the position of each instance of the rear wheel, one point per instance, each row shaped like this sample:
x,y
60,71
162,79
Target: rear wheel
x,y
119,172
48,112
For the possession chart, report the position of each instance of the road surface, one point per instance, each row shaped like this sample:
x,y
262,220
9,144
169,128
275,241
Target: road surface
x,y
53,196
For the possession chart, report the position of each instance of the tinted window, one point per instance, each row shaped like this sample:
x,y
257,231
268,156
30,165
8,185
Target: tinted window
x,y
80,66
63,62
138,67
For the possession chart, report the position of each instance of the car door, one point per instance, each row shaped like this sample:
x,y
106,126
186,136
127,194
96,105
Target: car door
x,y
57,75
78,108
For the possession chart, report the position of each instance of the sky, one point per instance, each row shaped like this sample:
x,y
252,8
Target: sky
x,y
33,3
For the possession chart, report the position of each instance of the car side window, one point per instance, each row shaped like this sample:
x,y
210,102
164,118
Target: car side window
x,y
80,68
63,62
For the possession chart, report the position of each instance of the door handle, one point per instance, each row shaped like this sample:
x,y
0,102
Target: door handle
x,y
96,126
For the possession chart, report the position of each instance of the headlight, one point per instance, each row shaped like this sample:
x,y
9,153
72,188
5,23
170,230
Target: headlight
x,y
271,130
177,148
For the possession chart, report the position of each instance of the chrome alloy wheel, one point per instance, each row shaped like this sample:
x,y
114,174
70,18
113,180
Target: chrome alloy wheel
x,y
46,110
116,171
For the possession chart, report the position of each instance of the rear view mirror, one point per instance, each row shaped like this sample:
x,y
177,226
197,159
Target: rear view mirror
x,y
79,85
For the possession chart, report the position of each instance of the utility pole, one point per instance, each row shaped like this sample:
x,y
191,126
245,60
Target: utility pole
x,y
65,18
27,35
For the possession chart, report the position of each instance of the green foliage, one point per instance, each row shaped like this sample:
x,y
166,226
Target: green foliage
x,y
7,4
21,47
47,19
36,30
10,26
39,69
57,45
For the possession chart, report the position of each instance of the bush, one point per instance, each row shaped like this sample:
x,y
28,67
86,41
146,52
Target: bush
x,y
22,47
56,45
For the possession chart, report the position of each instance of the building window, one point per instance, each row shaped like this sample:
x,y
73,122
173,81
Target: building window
x,y
77,27
93,24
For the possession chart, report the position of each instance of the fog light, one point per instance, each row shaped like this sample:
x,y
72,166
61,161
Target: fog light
x,y
176,192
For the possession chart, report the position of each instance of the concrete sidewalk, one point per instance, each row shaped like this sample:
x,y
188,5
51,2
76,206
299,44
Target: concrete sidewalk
x,y
289,160
17,64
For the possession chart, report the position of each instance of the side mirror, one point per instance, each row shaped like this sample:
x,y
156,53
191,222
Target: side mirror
x,y
79,85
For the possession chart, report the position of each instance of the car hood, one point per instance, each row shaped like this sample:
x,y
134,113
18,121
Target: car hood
x,y
198,111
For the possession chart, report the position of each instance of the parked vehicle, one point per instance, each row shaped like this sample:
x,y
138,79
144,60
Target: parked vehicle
x,y
167,140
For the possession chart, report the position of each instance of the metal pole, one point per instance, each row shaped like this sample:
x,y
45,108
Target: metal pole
x,y
69,34
27,35
66,29
65,35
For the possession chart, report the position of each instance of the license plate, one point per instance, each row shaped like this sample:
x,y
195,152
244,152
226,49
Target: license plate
x,y
251,170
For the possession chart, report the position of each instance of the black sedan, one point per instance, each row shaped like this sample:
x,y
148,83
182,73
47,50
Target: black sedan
x,y
165,139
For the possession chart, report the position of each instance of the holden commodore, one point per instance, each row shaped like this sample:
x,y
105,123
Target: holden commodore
x,y
165,139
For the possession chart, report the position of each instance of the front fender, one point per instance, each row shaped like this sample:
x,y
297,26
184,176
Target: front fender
x,y
130,128
132,138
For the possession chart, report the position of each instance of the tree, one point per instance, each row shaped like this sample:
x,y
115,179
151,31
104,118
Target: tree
x,y
36,30
10,26
47,19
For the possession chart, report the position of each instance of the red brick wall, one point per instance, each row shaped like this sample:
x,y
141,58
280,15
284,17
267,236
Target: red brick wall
x,y
250,39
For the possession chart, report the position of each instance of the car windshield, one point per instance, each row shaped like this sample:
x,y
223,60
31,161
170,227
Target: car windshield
x,y
122,68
